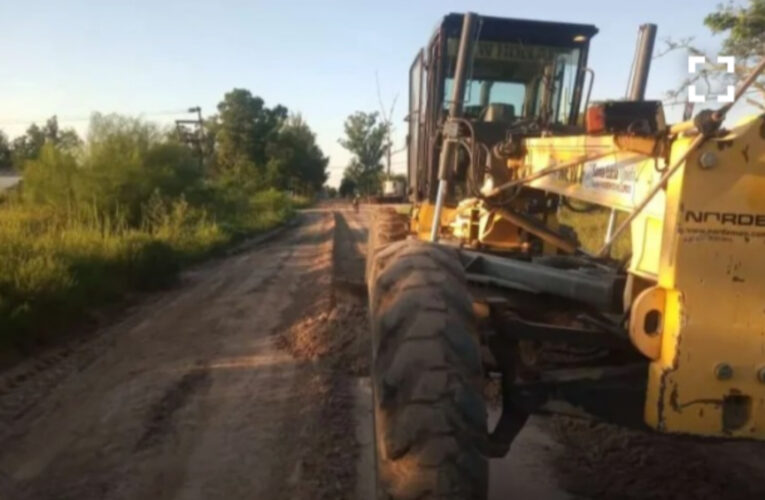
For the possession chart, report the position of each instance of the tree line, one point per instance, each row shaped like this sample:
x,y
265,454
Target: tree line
x,y
127,206
270,147
246,142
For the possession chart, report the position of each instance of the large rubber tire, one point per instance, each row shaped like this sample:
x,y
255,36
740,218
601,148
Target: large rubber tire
x,y
429,412
387,226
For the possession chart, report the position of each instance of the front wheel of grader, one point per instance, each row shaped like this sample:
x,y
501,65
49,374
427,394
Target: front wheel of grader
x,y
429,412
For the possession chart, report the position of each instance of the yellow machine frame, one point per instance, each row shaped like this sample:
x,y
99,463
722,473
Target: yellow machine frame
x,y
698,248
697,293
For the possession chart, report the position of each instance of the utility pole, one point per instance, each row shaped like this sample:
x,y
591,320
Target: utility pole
x,y
388,153
388,121
192,133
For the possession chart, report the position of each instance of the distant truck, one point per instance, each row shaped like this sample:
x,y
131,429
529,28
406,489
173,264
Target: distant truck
x,y
394,190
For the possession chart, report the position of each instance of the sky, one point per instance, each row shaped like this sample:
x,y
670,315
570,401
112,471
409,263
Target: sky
x,y
319,58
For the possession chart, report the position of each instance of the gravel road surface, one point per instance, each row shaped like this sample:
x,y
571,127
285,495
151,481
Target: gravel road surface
x,y
248,381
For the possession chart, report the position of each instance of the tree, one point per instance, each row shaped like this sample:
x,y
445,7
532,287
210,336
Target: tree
x,y
347,187
745,30
125,163
744,27
295,162
6,158
366,140
242,131
28,146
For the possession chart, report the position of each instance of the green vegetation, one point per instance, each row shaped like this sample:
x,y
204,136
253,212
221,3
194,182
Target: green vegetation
x,y
131,205
366,137
591,230
403,209
741,25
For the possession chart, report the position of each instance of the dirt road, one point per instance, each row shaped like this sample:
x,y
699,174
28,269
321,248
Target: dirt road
x,y
188,397
247,381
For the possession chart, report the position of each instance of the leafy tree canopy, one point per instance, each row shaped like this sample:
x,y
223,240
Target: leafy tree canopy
x,y
263,146
243,128
295,161
6,158
743,26
247,144
745,30
347,187
365,138
124,161
29,146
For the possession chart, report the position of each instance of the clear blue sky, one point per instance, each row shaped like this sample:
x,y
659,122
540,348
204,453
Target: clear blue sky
x,y
316,57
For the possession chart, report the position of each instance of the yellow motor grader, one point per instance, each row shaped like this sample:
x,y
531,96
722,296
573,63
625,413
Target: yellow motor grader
x,y
481,280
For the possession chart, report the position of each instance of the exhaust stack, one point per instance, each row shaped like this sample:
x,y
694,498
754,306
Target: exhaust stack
x,y
642,63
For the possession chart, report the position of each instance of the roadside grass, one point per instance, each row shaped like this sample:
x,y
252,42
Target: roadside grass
x,y
591,230
123,212
55,267
301,201
403,209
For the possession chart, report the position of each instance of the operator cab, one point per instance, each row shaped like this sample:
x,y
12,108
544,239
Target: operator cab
x,y
524,77
520,69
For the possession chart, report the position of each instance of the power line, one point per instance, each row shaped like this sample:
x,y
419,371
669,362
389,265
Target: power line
x,y
83,118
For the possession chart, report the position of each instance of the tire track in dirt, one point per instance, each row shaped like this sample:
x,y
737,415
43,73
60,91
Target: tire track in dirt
x,y
160,417
333,335
188,397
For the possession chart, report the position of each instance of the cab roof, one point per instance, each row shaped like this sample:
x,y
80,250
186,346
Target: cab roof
x,y
528,31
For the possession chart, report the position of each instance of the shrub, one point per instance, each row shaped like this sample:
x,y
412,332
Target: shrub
x,y
126,211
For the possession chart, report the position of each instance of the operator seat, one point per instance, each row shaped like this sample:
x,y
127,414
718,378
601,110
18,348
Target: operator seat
x,y
498,112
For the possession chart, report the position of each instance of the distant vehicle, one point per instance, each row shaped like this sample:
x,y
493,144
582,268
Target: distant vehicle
x,y
394,190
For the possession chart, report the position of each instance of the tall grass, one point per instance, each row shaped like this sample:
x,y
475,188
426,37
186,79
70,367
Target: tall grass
x,y
591,230
301,201
124,214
